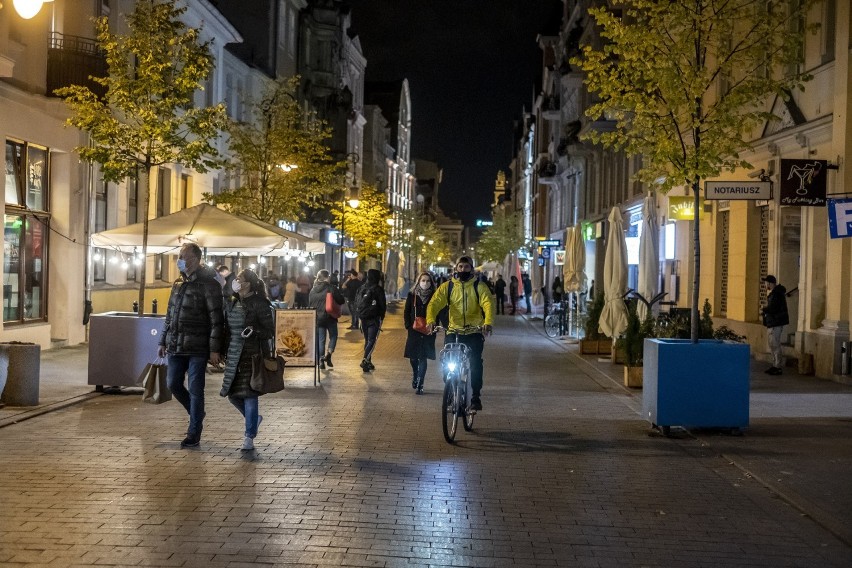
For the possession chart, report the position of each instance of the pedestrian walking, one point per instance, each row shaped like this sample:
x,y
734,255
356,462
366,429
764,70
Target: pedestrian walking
x,y
514,293
193,333
326,322
303,290
371,306
350,291
290,292
419,346
500,292
775,317
250,324
525,280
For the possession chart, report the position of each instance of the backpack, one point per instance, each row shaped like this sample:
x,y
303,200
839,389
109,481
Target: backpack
x,y
366,305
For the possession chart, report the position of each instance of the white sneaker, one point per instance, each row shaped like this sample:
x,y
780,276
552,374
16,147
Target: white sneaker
x,y
248,445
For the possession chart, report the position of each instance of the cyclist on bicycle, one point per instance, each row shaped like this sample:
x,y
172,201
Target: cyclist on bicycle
x,y
470,306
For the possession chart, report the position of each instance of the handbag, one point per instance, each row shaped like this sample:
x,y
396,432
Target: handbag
x,y
332,308
419,322
153,380
267,373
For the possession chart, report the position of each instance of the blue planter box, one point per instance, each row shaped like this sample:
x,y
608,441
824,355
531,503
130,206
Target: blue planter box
x,y
696,385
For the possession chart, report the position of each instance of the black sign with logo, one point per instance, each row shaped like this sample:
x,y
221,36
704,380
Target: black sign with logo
x,y
803,182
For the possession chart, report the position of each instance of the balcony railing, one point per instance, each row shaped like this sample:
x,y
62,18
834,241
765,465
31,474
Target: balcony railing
x,y
72,60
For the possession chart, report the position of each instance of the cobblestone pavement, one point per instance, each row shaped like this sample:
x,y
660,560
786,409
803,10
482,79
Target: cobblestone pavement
x,y
559,471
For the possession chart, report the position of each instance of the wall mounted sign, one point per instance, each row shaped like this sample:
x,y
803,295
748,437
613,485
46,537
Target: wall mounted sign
x,y
803,182
559,257
549,242
737,190
840,218
683,208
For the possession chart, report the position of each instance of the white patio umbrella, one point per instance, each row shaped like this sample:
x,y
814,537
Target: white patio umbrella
x,y
649,254
614,315
574,270
574,274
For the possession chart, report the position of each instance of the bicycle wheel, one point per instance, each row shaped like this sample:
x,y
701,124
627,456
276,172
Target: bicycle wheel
x,y
551,325
450,411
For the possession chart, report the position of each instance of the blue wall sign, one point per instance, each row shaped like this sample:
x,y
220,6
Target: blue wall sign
x,y
840,218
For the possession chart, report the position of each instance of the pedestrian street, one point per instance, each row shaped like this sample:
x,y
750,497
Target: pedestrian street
x,y
560,470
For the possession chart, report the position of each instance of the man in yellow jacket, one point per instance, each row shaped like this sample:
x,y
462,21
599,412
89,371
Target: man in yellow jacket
x,y
470,305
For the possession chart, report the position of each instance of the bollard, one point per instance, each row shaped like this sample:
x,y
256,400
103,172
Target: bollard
x,y
154,306
844,358
21,374
136,307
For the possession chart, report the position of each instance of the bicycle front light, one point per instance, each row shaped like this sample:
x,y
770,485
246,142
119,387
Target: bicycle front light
x,y
451,366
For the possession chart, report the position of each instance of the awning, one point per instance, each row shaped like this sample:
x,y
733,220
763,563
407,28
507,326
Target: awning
x,y
216,231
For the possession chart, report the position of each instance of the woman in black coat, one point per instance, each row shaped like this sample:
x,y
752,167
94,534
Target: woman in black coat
x,y
419,347
251,326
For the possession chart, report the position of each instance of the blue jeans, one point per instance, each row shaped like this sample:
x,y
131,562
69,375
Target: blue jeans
x,y
249,408
331,328
193,399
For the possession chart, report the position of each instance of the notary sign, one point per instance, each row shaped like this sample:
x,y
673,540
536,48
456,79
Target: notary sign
x,y
840,218
737,190
803,182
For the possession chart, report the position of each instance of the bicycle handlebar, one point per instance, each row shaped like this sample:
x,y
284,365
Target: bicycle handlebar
x,y
458,330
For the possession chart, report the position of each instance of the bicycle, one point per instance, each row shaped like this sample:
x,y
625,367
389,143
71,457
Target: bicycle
x,y
555,324
456,402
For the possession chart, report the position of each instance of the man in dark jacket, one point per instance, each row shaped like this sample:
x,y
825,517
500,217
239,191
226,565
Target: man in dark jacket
x,y
192,334
775,317
525,280
325,322
500,291
350,292
371,305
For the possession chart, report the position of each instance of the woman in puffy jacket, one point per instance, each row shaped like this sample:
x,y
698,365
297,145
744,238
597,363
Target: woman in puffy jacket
x,y
419,347
251,326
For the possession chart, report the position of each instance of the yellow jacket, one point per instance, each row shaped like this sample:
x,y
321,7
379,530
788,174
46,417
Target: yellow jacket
x,y
464,309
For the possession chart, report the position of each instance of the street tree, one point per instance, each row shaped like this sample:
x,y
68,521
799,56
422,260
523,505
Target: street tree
x,y
688,82
281,158
366,226
147,118
504,237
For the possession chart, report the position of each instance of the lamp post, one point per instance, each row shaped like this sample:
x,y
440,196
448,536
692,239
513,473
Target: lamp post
x,y
352,158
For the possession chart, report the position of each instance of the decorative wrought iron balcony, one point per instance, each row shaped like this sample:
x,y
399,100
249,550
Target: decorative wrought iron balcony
x,y
72,60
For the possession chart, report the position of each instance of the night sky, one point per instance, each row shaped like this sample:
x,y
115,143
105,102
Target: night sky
x,y
472,65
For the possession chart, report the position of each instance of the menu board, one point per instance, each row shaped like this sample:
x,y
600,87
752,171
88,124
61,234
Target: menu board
x,y
295,337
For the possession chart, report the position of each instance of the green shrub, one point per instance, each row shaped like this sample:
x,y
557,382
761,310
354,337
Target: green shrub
x,y
635,334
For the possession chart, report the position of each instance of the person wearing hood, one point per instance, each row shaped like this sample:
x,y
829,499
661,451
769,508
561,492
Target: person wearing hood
x,y
775,317
419,347
193,333
470,307
371,305
326,322
251,323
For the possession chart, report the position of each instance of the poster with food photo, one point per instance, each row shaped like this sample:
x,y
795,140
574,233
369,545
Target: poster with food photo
x,y
295,336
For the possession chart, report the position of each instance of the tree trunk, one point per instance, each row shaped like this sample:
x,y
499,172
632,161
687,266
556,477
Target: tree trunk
x,y
696,258
146,204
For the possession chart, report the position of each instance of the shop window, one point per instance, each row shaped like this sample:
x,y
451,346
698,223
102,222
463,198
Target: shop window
x,y
99,264
24,285
25,233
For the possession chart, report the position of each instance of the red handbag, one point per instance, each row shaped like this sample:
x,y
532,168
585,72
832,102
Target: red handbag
x,y
332,308
419,324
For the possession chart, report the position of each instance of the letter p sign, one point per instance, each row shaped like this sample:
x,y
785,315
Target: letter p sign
x,y
840,218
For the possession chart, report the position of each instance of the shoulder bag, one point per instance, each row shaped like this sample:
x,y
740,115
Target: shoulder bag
x,y
332,308
419,321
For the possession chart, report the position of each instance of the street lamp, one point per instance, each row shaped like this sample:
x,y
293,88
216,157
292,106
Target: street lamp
x,y
353,201
27,9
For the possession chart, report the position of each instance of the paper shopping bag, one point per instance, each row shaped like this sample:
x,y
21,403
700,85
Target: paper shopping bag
x,y
153,380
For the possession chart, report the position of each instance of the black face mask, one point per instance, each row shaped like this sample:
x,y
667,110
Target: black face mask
x,y
464,276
